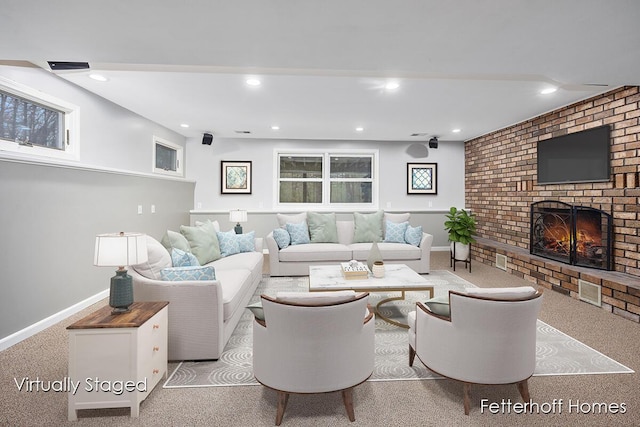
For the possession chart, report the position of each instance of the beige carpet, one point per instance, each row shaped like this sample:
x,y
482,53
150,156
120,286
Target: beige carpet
x,y
390,403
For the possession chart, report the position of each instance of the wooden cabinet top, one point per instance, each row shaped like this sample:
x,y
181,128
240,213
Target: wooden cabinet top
x,y
139,313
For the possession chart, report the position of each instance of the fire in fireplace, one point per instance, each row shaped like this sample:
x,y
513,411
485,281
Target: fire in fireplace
x,y
576,235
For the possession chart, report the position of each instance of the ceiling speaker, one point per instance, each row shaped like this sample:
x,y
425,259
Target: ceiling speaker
x,y
433,142
207,139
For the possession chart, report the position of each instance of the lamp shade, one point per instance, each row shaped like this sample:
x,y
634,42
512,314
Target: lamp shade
x,y
120,249
238,216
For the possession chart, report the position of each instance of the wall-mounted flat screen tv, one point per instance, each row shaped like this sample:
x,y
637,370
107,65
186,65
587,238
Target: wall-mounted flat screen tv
x,y
576,157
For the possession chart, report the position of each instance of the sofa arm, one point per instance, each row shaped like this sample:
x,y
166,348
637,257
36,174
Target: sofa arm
x,y
274,255
259,244
426,242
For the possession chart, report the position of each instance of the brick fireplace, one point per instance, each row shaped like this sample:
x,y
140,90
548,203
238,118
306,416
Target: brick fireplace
x,y
501,186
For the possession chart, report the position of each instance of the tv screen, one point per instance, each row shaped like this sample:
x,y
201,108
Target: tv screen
x,y
576,157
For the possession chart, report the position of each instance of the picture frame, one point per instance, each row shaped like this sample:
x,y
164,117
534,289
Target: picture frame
x,y
422,178
236,177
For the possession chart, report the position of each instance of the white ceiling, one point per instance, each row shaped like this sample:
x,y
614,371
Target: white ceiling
x,y
468,64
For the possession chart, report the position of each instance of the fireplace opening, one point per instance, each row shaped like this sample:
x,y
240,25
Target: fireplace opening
x,y
576,235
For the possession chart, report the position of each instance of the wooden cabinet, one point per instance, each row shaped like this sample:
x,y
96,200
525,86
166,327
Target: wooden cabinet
x,y
115,360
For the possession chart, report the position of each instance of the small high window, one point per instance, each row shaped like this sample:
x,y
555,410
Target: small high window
x,y
168,157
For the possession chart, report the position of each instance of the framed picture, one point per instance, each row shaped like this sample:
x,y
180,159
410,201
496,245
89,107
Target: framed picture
x,y
236,177
422,178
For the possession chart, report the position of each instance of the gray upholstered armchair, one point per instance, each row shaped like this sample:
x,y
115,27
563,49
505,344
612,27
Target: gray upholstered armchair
x,y
489,338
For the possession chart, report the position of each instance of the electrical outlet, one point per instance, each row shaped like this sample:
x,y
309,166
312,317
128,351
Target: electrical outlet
x,y
199,205
430,204
139,209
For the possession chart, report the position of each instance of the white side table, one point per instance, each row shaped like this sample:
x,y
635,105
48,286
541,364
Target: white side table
x,y
117,360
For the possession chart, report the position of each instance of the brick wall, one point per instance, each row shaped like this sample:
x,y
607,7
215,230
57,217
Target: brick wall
x,y
501,174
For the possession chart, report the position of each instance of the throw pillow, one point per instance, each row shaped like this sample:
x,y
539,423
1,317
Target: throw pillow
x,y
513,293
180,258
257,310
322,227
215,224
232,243
203,242
368,227
413,235
282,237
174,240
284,219
299,233
181,274
159,258
439,306
395,232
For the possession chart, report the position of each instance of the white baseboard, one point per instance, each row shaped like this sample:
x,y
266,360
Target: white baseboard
x,y
25,333
440,249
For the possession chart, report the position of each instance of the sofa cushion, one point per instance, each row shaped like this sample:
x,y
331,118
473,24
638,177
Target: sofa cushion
x,y
395,231
345,232
282,237
413,235
233,283
193,273
316,252
322,227
284,219
232,243
397,217
368,227
180,258
203,241
159,258
388,251
299,233
242,260
174,240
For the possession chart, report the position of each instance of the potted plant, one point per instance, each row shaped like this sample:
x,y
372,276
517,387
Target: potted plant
x,y
461,226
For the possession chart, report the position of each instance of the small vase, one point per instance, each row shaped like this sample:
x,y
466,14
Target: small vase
x,y
378,269
374,255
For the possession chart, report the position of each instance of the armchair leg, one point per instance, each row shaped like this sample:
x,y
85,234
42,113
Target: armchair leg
x,y
347,397
466,393
283,398
523,388
412,355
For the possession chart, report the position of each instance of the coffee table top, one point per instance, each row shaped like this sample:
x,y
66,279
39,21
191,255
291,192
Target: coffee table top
x,y
397,277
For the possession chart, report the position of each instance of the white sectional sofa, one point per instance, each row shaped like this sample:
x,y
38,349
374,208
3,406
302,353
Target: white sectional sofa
x,y
202,313
295,259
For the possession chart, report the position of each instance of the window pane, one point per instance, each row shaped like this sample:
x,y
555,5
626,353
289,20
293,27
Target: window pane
x,y
351,192
166,158
24,121
351,167
300,192
300,167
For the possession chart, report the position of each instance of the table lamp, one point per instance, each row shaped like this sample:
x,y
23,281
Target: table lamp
x,y
120,250
238,216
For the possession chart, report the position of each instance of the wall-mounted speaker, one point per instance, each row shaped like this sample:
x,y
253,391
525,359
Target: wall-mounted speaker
x,y
207,139
433,142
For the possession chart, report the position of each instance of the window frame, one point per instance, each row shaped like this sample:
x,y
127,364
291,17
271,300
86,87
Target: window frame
x,y
70,128
179,149
326,179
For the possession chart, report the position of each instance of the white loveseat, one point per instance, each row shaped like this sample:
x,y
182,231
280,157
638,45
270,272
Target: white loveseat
x,y
294,260
204,313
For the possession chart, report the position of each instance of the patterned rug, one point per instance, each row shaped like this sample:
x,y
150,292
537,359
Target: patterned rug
x,y
557,353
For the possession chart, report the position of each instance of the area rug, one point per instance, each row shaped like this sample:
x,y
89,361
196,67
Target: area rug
x,y
557,353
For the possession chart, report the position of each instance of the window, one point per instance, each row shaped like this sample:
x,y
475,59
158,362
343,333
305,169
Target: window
x,y
35,123
329,179
167,157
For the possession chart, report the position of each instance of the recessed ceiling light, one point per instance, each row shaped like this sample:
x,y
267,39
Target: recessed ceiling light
x,y
253,82
359,129
392,85
456,131
98,77
275,127
184,125
548,90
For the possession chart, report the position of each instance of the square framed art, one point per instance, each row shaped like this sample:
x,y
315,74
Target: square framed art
x,y
422,178
236,177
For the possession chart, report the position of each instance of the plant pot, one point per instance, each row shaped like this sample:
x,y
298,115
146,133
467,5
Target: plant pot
x,y
461,251
378,269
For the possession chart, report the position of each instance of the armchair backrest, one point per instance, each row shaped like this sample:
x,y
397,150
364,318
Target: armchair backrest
x,y
314,348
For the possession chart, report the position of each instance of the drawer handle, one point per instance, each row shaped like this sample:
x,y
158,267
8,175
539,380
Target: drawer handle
x,y
155,371
156,348
156,326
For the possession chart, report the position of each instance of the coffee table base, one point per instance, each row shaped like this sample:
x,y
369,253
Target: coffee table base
x,y
400,298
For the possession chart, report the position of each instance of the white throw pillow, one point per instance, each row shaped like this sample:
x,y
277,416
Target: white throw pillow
x,y
159,258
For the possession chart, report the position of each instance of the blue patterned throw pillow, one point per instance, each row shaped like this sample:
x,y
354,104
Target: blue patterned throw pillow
x,y
232,243
282,238
181,274
299,233
395,231
180,258
413,235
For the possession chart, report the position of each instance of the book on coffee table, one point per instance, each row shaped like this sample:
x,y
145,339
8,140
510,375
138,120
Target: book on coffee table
x,y
354,270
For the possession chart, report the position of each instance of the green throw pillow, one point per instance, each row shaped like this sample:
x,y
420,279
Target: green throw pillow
x,y
203,242
368,227
174,240
439,305
322,227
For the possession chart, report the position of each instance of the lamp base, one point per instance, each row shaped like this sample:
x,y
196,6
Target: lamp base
x,y
120,292
238,228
